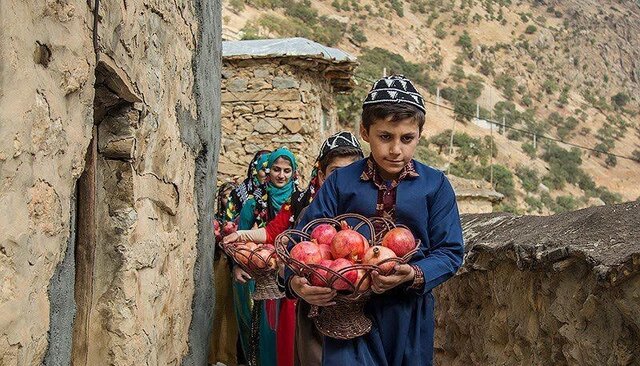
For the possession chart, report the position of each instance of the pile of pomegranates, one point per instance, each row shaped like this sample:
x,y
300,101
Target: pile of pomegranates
x,y
255,257
337,256
221,231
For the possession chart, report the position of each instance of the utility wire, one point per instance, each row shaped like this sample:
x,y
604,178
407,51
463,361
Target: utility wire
x,y
493,122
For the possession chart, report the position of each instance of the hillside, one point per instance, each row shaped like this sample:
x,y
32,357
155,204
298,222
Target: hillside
x,y
563,69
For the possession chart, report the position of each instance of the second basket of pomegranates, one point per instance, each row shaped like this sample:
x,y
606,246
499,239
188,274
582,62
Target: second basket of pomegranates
x,y
331,253
259,261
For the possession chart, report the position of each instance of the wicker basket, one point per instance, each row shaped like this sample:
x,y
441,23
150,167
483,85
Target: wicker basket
x,y
346,319
263,273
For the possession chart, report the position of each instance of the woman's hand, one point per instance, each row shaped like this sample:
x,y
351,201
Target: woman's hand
x,y
240,275
403,273
231,238
314,295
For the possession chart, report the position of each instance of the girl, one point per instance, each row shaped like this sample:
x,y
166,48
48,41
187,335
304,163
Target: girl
x,y
257,319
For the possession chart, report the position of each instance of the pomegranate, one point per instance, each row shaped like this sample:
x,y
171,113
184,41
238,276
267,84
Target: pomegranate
x,y
349,275
243,252
263,258
366,281
325,251
348,243
400,240
306,252
320,277
323,234
229,227
377,254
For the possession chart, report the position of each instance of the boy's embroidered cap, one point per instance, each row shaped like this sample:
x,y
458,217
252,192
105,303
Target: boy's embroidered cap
x,y
343,138
394,89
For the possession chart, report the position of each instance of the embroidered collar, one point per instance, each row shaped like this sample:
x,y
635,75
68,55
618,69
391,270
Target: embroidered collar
x,y
372,173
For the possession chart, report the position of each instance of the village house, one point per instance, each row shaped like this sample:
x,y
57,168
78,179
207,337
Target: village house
x,y
279,92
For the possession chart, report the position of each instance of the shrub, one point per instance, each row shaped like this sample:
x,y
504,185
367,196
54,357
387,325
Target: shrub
x,y
502,179
440,31
528,177
507,84
531,29
620,100
611,160
534,204
528,149
609,197
565,203
457,73
358,35
465,43
236,5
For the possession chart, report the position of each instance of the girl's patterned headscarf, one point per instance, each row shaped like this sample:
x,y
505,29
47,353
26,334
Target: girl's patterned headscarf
x,y
221,208
250,186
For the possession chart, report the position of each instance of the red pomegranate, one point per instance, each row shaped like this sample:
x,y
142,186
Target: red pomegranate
x,y
320,277
323,234
377,254
366,281
306,252
243,252
350,275
325,251
229,227
348,243
263,258
400,240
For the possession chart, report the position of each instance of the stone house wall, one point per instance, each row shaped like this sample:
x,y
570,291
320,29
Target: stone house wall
x,y
108,167
269,103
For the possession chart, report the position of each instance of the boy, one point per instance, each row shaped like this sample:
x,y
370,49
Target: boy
x,y
391,184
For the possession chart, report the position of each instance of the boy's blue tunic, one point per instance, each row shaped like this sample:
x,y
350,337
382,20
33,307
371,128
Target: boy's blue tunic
x,y
403,329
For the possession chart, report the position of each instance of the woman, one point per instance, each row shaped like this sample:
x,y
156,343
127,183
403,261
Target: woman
x,y
256,320
252,185
337,151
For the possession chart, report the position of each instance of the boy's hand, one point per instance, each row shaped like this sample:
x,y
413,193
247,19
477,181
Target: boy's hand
x,y
240,275
403,273
314,295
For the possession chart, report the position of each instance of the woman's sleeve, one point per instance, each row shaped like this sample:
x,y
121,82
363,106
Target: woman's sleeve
x,y
247,215
279,224
445,234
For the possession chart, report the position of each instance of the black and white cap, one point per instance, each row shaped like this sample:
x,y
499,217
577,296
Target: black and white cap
x,y
394,89
343,138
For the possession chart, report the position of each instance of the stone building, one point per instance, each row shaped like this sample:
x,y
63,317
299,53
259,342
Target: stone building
x,y
108,147
473,195
279,92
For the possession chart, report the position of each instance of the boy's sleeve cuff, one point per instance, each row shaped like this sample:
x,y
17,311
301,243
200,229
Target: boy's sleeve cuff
x,y
418,280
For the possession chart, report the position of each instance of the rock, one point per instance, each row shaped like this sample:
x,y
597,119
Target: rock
x,y
295,113
528,276
280,82
252,148
241,109
262,96
259,84
258,108
543,188
237,85
595,201
261,73
271,107
297,139
293,125
267,125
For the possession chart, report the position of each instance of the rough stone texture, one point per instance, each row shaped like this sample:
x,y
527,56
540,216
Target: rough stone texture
x,y
46,103
286,103
156,114
558,290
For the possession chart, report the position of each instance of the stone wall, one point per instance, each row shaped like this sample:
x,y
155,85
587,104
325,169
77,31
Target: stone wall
x,y
558,290
142,283
269,103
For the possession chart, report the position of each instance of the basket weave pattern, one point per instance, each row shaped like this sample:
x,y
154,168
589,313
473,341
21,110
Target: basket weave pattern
x,y
259,269
346,319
